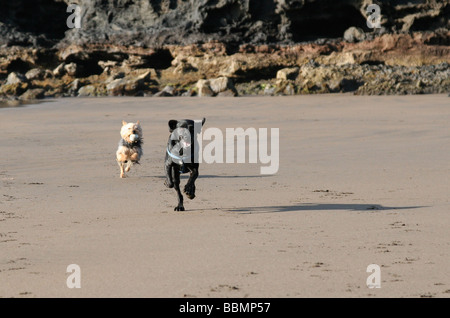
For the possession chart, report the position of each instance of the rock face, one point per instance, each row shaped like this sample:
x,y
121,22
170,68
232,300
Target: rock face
x,y
388,64
160,22
222,48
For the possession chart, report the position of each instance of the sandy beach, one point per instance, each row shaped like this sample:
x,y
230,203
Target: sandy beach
x,y
362,180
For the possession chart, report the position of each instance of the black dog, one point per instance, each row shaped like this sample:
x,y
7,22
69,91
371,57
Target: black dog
x,y
180,158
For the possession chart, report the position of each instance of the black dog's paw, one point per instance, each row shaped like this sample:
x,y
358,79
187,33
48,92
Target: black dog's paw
x,y
168,184
179,208
191,196
189,189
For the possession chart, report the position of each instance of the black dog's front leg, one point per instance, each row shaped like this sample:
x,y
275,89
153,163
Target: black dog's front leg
x,y
169,177
189,188
176,183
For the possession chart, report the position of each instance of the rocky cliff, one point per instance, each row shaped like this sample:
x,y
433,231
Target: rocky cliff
x,y
173,47
160,22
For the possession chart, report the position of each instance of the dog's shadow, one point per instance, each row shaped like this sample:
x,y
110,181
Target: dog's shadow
x,y
298,207
232,177
319,207
210,176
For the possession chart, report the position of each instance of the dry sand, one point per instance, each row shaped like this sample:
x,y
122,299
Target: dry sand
x,y
362,180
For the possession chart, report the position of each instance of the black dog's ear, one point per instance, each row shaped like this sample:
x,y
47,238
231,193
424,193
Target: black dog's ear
x,y
172,124
203,121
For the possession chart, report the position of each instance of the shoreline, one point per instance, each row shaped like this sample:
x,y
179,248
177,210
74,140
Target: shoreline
x,y
23,103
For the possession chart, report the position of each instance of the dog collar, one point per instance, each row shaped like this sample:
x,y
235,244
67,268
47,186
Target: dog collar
x,y
175,156
181,159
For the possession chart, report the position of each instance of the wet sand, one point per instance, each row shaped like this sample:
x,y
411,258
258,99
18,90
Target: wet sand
x,y
362,180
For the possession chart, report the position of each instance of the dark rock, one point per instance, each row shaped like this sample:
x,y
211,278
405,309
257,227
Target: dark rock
x,y
349,85
34,93
32,23
154,23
